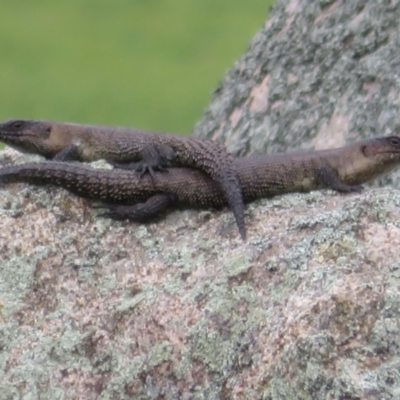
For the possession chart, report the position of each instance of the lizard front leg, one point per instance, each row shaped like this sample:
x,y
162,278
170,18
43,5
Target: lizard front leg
x,y
140,212
329,178
154,158
68,153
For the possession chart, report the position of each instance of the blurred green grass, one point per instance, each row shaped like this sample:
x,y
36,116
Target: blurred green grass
x,y
143,63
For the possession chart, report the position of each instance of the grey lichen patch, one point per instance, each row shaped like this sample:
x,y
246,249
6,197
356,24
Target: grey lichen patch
x,y
238,265
230,313
17,273
129,302
333,250
160,353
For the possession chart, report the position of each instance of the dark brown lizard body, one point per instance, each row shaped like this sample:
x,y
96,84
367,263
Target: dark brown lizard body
x,y
342,169
123,147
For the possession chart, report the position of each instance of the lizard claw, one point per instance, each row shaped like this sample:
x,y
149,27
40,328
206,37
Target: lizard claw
x,y
120,212
113,211
143,169
100,206
351,189
357,188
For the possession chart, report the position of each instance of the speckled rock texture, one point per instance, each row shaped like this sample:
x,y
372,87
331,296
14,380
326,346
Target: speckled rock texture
x,y
307,308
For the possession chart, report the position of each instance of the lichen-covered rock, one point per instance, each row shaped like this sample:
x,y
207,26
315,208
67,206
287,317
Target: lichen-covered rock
x,y
307,308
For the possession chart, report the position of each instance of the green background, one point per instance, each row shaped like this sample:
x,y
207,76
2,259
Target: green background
x,y
143,63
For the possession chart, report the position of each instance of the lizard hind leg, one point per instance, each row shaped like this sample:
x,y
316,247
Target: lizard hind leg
x,y
140,212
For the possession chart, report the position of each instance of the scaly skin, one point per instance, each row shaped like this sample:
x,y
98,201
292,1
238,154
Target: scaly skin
x,y
147,151
342,169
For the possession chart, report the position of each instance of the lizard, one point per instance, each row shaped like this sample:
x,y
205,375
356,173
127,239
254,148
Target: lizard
x,y
127,196
143,151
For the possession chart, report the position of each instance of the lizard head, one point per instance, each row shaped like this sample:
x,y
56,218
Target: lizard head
x,y
383,149
31,136
379,155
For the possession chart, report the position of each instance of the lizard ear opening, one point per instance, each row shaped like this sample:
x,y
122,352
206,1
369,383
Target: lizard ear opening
x,y
364,150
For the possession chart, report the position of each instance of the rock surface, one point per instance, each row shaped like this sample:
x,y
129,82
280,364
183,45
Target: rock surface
x,y
307,308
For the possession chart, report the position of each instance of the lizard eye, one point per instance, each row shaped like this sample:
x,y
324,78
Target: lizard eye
x,y
394,141
17,124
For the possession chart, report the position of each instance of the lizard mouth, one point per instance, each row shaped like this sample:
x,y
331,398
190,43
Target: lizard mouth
x,y
388,152
15,135
10,134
